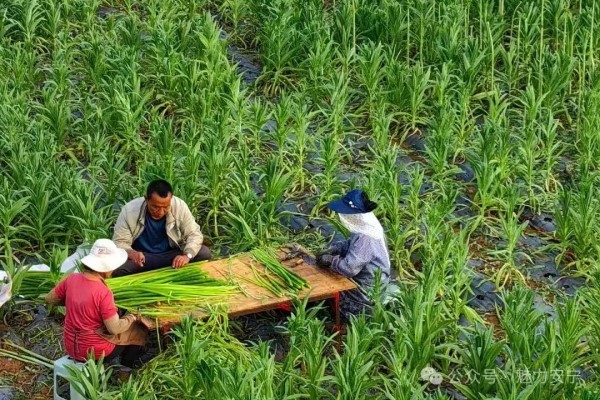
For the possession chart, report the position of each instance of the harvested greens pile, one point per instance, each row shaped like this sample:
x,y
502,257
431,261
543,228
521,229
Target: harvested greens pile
x,y
151,290
168,291
276,278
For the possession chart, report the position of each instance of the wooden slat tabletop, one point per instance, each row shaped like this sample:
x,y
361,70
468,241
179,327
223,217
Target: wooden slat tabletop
x,y
323,284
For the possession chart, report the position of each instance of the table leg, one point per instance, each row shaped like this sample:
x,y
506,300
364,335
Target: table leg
x,y
165,329
162,339
285,306
336,309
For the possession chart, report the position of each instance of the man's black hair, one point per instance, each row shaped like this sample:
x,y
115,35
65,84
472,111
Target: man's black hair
x,y
160,187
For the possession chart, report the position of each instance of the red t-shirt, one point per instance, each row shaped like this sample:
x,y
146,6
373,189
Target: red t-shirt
x,y
88,303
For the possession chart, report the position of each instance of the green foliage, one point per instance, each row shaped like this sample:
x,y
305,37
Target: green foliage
x,y
99,97
91,380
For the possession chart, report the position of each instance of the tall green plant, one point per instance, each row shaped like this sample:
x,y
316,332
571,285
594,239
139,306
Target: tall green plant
x,y
353,369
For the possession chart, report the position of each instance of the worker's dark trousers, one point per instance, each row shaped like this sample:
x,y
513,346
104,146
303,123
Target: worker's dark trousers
x,y
130,355
158,260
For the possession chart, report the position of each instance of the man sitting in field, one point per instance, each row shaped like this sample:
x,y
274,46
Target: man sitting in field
x,y
158,230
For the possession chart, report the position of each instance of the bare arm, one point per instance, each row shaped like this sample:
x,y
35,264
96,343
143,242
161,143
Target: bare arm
x,y
52,299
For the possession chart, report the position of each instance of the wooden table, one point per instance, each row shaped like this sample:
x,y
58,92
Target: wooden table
x,y
324,284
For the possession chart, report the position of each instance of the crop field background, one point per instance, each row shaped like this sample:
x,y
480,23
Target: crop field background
x,y
475,125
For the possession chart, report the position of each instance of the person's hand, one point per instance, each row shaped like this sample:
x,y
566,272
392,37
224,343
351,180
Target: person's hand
x,y
324,257
137,257
294,250
324,260
180,261
147,322
323,252
298,248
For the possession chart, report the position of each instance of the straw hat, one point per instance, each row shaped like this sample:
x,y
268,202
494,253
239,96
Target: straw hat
x,y
105,256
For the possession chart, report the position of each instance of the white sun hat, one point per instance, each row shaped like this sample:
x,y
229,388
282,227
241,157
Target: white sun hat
x,y
105,256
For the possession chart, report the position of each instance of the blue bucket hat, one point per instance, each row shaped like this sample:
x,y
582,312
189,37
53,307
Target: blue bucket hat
x,y
354,202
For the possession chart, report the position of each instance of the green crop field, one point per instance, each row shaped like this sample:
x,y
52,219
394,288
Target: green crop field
x,y
475,125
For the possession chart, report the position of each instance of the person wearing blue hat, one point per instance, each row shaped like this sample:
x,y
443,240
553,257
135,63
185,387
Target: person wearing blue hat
x,y
362,255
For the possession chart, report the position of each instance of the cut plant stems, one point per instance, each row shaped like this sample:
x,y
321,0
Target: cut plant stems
x,y
290,282
189,285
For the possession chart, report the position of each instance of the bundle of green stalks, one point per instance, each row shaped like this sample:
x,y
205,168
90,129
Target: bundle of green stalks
x,y
287,282
36,284
167,285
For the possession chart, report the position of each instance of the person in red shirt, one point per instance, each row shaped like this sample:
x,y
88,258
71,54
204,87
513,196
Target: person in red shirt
x,y
92,324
